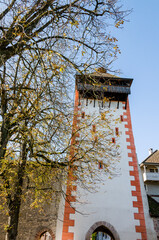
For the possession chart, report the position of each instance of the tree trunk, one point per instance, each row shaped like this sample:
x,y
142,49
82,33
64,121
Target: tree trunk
x,y
4,140
5,121
15,204
14,209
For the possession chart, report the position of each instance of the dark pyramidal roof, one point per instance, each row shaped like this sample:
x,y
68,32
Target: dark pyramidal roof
x,y
101,73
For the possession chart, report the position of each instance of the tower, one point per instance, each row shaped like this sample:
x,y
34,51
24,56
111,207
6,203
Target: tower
x,y
115,210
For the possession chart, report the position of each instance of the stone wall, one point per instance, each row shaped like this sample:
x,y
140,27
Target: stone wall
x,y
156,226
3,222
33,222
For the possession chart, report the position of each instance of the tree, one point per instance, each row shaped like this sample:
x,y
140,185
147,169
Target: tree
x,y
42,44
68,30
37,124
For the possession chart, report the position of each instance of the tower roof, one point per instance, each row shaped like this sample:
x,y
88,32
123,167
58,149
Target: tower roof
x,y
100,84
100,75
101,72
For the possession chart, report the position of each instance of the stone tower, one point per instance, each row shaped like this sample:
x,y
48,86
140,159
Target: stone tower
x,y
115,211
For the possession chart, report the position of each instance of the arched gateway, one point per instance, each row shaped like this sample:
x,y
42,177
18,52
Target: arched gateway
x,y
102,231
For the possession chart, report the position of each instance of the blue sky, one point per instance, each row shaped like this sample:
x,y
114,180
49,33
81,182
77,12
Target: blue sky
x,y
139,59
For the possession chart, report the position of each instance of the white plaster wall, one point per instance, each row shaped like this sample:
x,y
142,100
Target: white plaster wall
x,y
151,234
113,200
153,188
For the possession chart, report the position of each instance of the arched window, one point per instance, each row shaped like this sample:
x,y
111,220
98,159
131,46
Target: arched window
x,y
102,233
45,236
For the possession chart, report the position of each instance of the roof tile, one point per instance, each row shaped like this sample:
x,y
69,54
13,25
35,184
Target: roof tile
x,y
153,158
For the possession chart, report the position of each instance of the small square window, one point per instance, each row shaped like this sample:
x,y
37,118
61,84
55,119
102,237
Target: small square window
x,y
117,131
94,128
83,115
121,118
100,165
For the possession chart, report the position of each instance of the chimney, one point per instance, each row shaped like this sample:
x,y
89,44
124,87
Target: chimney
x,y
150,151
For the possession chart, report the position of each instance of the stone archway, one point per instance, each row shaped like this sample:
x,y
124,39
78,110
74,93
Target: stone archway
x,y
42,230
104,224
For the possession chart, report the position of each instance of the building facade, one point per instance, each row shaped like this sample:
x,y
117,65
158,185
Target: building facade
x,y
150,177
117,209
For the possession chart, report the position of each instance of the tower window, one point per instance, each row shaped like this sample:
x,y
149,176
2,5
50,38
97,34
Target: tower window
x,y
100,165
83,115
117,131
121,118
113,140
94,128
